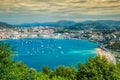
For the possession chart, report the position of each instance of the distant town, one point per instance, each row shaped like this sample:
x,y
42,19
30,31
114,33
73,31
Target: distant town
x,y
101,36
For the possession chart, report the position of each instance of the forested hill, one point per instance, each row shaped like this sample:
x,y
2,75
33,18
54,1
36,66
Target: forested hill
x,y
5,25
99,24
62,23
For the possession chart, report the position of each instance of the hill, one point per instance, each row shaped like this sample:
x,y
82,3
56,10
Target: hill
x,y
62,23
5,25
99,24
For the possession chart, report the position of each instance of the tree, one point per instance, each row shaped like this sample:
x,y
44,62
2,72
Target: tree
x,y
6,63
46,70
66,72
98,69
10,70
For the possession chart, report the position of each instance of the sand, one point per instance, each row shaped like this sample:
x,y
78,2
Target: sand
x,y
110,57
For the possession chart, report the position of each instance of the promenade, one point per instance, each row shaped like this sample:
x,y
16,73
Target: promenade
x,y
102,52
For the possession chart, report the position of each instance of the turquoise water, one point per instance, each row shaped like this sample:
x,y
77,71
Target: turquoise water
x,y
36,52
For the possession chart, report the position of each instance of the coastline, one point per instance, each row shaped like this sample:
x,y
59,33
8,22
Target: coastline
x,y
50,38
109,56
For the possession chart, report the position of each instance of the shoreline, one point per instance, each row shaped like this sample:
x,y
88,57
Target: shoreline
x,y
109,56
50,38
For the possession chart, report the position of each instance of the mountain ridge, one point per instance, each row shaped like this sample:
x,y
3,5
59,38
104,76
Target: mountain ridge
x,y
5,25
98,24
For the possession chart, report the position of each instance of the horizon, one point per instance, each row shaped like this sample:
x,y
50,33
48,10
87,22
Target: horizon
x,y
29,11
57,21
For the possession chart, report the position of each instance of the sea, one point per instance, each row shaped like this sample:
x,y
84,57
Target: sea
x,y
38,52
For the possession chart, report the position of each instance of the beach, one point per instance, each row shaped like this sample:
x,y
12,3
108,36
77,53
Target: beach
x,y
110,57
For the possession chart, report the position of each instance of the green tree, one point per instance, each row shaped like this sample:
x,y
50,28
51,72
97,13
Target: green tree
x,y
10,70
6,63
98,69
46,70
66,72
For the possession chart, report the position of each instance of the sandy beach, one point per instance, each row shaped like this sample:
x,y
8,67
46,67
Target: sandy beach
x,y
110,57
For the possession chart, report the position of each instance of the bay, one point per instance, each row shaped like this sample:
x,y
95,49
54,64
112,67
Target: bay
x,y
36,52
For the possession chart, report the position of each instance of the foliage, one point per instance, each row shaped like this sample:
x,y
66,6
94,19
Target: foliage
x,y
67,72
5,25
116,54
98,69
10,70
46,70
115,46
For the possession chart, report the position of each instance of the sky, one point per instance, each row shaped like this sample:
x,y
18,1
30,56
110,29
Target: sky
x,y
29,11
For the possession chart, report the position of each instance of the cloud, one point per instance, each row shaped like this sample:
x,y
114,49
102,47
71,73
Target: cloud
x,y
58,5
60,8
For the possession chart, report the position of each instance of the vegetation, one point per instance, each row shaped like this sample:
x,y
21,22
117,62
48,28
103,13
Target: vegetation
x,y
5,25
116,54
98,69
115,46
95,69
115,49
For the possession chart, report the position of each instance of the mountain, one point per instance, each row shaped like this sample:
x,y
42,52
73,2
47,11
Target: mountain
x,y
29,24
65,23
92,25
5,25
62,23
99,24
111,23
